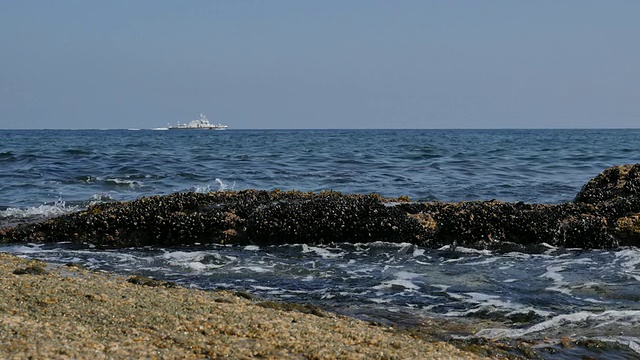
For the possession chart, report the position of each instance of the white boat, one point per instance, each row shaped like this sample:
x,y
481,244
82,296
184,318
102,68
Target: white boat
x,y
200,124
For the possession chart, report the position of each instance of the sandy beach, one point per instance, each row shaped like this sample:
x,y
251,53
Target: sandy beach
x,y
66,312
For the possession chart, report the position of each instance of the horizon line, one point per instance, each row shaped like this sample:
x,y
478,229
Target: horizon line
x,y
322,129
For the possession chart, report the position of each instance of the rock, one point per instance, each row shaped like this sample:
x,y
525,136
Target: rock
x,y
627,229
586,231
332,217
145,281
617,182
31,270
605,214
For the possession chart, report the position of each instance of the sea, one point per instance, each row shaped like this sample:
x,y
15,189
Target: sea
x,y
545,297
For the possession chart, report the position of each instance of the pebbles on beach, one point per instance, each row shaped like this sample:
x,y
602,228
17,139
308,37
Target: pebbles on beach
x,y
68,312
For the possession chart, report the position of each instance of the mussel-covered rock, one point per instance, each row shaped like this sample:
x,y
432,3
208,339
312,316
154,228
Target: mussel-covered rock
x,y
605,214
330,218
615,183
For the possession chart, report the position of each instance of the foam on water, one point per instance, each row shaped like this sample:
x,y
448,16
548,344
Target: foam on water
x,y
255,269
116,182
42,210
559,285
402,280
578,323
629,260
324,252
12,216
197,261
489,303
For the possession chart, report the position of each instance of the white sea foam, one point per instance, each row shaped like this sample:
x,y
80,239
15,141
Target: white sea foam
x,y
517,255
182,256
418,252
632,342
222,186
133,184
629,260
202,189
442,287
559,285
379,301
403,279
321,251
219,186
101,197
361,270
462,249
57,209
194,260
482,262
595,301
256,268
485,301
582,319
385,244
553,272
260,287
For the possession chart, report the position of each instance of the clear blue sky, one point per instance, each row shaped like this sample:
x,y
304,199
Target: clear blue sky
x,y
320,64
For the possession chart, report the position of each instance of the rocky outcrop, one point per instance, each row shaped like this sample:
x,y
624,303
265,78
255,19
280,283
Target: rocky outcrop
x,y
605,214
614,184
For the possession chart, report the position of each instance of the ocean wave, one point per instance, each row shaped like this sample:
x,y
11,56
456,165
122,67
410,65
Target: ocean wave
x,y
35,213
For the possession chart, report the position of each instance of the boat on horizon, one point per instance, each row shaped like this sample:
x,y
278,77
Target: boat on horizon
x,y
199,124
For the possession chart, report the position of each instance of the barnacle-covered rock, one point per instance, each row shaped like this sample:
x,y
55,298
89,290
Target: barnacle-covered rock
x,y
617,182
627,229
586,231
330,218
605,214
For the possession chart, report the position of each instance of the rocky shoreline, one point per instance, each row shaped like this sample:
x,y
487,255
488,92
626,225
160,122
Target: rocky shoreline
x,y
604,214
65,312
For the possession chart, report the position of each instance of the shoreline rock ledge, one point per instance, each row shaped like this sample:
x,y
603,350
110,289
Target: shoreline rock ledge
x,y
604,214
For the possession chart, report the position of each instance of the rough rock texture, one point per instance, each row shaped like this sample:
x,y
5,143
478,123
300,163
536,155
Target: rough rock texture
x,y
71,313
615,183
605,214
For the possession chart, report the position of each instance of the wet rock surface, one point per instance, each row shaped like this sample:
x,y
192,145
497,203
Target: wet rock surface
x,y
615,183
605,214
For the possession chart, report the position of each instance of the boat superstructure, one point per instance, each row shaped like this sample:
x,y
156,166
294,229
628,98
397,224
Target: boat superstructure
x,y
199,124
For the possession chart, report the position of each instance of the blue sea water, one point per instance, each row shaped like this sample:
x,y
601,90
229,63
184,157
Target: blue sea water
x,y
561,292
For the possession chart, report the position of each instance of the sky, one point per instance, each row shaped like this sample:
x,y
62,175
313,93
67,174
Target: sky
x,y
324,64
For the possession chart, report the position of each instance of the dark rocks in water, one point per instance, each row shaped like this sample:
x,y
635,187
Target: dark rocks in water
x,y
510,226
605,214
331,217
143,280
292,307
31,270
